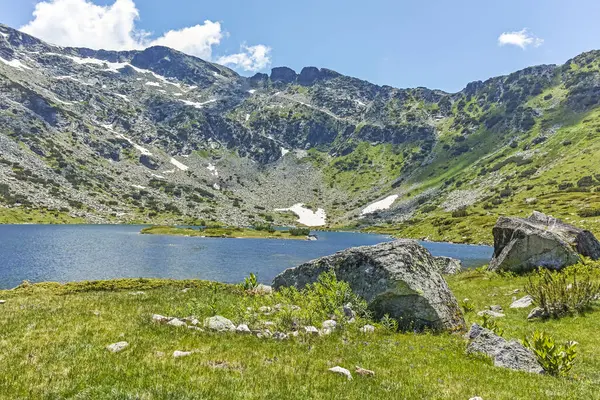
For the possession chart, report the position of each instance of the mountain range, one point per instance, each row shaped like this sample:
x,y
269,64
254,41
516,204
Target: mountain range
x,y
158,136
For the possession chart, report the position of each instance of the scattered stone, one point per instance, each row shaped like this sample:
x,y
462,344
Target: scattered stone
x,y
264,334
280,336
525,244
311,330
219,324
2,301
537,312
264,309
399,278
195,322
448,266
263,289
348,311
505,354
195,328
160,318
329,324
176,322
496,308
185,290
523,302
364,372
490,313
367,329
341,371
117,347
243,328
177,353
326,331
294,333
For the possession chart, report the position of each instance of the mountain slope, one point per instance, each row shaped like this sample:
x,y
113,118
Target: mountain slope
x,y
157,135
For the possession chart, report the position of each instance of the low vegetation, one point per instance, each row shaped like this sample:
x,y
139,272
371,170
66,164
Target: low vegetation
x,y
54,337
224,232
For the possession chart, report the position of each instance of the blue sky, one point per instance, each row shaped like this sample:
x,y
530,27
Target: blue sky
x,y
437,44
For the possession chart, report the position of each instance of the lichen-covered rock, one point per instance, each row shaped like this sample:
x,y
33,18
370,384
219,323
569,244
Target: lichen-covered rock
x,y
117,347
219,324
524,244
505,354
523,302
399,278
448,266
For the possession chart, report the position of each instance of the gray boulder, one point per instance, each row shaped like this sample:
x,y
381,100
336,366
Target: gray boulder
x,y
448,266
399,278
524,244
505,354
523,302
219,324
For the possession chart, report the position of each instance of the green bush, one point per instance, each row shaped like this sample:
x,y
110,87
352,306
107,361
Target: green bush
x,y
264,227
491,324
556,360
560,293
589,212
389,323
250,282
460,213
299,231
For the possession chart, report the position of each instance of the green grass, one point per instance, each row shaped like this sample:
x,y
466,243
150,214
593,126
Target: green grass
x,y
53,338
239,233
36,216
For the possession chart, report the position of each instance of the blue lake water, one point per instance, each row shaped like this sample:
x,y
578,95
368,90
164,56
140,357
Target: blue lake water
x,y
65,253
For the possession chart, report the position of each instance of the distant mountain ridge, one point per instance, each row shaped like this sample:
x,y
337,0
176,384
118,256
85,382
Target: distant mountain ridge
x,y
158,135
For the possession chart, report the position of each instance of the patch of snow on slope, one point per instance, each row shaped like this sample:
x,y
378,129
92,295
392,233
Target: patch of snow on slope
x,y
177,94
62,101
138,187
14,63
179,165
122,96
212,169
197,105
247,117
284,151
5,35
216,186
306,216
380,205
153,84
139,148
252,91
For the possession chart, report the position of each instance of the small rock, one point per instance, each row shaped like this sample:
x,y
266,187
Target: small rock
x,y
523,302
329,324
117,347
2,301
311,330
176,322
185,290
219,323
326,331
294,333
177,353
367,329
264,334
537,312
490,313
264,309
195,322
348,311
496,308
243,328
341,371
475,398
263,289
280,336
137,293
160,318
364,372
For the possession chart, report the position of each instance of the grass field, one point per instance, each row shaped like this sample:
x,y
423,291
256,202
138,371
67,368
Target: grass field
x,y
240,233
53,339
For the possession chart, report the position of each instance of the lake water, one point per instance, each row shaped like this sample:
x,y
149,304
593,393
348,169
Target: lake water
x,y
65,253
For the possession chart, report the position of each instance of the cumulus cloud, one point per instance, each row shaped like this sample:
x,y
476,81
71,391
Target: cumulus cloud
x,y
522,39
81,23
251,58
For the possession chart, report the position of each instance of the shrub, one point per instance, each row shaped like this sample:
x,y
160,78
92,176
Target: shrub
x,y
299,231
491,324
556,360
467,306
250,282
589,212
389,323
460,213
561,293
264,227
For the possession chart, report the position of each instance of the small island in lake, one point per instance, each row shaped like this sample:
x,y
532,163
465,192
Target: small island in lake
x,y
257,232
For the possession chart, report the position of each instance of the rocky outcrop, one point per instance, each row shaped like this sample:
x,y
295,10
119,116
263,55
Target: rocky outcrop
x,y
524,244
283,75
399,278
505,354
448,266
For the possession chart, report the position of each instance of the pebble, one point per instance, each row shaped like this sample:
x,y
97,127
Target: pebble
x,y
117,347
2,301
341,371
177,353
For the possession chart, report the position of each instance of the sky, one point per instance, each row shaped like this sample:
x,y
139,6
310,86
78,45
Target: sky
x,y
438,44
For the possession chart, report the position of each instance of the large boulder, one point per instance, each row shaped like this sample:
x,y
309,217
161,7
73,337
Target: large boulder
x,y
399,278
505,354
448,266
524,244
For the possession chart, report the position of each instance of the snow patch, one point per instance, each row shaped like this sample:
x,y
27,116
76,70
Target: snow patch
x,y
213,169
14,63
62,101
122,96
197,105
247,117
179,165
306,216
284,151
139,148
177,94
138,187
216,186
156,84
158,176
252,91
380,205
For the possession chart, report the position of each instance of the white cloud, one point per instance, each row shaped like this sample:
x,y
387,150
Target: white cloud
x,y
252,58
81,23
522,39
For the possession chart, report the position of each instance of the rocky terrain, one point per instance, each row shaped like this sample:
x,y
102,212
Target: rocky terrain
x,y
160,136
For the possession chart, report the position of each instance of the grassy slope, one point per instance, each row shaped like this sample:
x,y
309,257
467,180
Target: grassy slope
x,y
52,346
36,216
220,232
